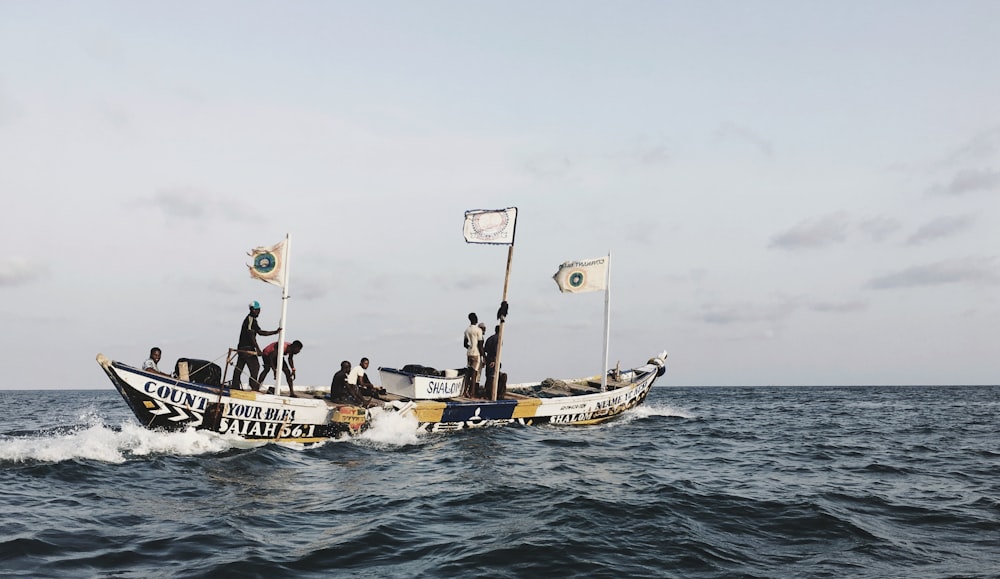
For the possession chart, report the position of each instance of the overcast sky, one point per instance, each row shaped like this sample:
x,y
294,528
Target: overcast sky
x,y
793,193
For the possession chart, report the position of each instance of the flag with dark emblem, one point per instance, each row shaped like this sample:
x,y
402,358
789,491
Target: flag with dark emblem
x,y
588,275
268,263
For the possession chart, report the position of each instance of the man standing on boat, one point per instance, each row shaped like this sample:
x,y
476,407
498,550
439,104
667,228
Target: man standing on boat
x,y
473,343
247,350
270,354
490,357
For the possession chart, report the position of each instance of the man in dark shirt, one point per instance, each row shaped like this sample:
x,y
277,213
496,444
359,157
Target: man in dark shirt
x,y
343,391
490,351
247,350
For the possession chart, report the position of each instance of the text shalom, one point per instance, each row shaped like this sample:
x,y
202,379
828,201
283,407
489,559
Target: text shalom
x,y
435,387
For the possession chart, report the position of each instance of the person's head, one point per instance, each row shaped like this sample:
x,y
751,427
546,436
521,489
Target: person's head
x,y
364,363
473,318
155,354
496,330
295,347
254,308
345,366
482,327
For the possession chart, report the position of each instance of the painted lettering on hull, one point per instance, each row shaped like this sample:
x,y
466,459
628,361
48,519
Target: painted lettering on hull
x,y
253,412
176,396
259,429
450,388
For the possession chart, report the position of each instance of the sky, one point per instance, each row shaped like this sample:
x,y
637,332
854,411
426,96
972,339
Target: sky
x,y
792,193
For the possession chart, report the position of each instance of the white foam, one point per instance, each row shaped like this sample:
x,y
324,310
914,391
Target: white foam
x,y
648,410
99,442
392,428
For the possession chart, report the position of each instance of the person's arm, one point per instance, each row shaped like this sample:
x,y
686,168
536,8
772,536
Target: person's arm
x,y
257,330
355,394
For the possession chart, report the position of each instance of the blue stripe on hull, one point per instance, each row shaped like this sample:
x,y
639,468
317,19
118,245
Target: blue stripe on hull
x,y
485,410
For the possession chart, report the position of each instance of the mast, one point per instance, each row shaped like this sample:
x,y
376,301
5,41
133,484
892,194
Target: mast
x,y
494,227
503,318
284,311
607,324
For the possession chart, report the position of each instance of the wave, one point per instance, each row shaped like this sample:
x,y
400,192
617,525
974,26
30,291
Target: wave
x,y
392,429
650,410
99,442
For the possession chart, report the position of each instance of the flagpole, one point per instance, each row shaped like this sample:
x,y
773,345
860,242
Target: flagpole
x,y
284,311
503,318
607,324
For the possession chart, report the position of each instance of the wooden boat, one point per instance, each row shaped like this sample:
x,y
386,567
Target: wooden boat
x,y
580,401
209,403
162,402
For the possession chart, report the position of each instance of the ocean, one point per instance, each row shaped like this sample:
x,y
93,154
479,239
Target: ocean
x,y
697,482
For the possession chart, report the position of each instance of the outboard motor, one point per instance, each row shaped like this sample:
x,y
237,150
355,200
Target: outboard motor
x,y
200,371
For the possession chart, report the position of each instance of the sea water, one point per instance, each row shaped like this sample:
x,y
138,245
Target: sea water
x,y
697,482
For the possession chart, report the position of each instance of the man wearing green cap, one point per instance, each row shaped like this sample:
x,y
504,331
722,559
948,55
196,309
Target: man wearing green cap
x,y
247,350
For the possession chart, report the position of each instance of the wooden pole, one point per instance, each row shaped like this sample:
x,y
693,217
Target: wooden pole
x,y
506,285
607,323
284,311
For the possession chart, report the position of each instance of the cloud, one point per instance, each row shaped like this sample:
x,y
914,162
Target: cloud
x,y
969,270
548,168
969,181
879,228
813,233
15,271
644,231
742,313
474,281
648,153
982,146
731,132
839,307
194,205
945,226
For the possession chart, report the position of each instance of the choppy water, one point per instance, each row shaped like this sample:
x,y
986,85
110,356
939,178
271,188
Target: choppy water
x,y
698,482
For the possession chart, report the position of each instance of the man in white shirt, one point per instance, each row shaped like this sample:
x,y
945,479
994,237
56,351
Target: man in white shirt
x,y
150,365
473,343
360,378
357,375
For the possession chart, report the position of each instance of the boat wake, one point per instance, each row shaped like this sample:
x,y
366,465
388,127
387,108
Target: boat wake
x,y
100,442
392,428
651,410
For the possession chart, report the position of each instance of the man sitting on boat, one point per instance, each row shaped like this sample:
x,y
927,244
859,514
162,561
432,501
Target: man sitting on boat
x,y
359,378
151,365
341,390
270,354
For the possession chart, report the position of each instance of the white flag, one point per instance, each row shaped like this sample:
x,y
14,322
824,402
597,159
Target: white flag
x,y
268,263
588,275
494,226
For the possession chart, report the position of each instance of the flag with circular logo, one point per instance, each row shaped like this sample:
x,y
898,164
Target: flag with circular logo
x,y
494,226
268,263
587,275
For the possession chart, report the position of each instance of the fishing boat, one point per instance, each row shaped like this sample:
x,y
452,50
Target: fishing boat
x,y
198,396
435,397
550,401
168,403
